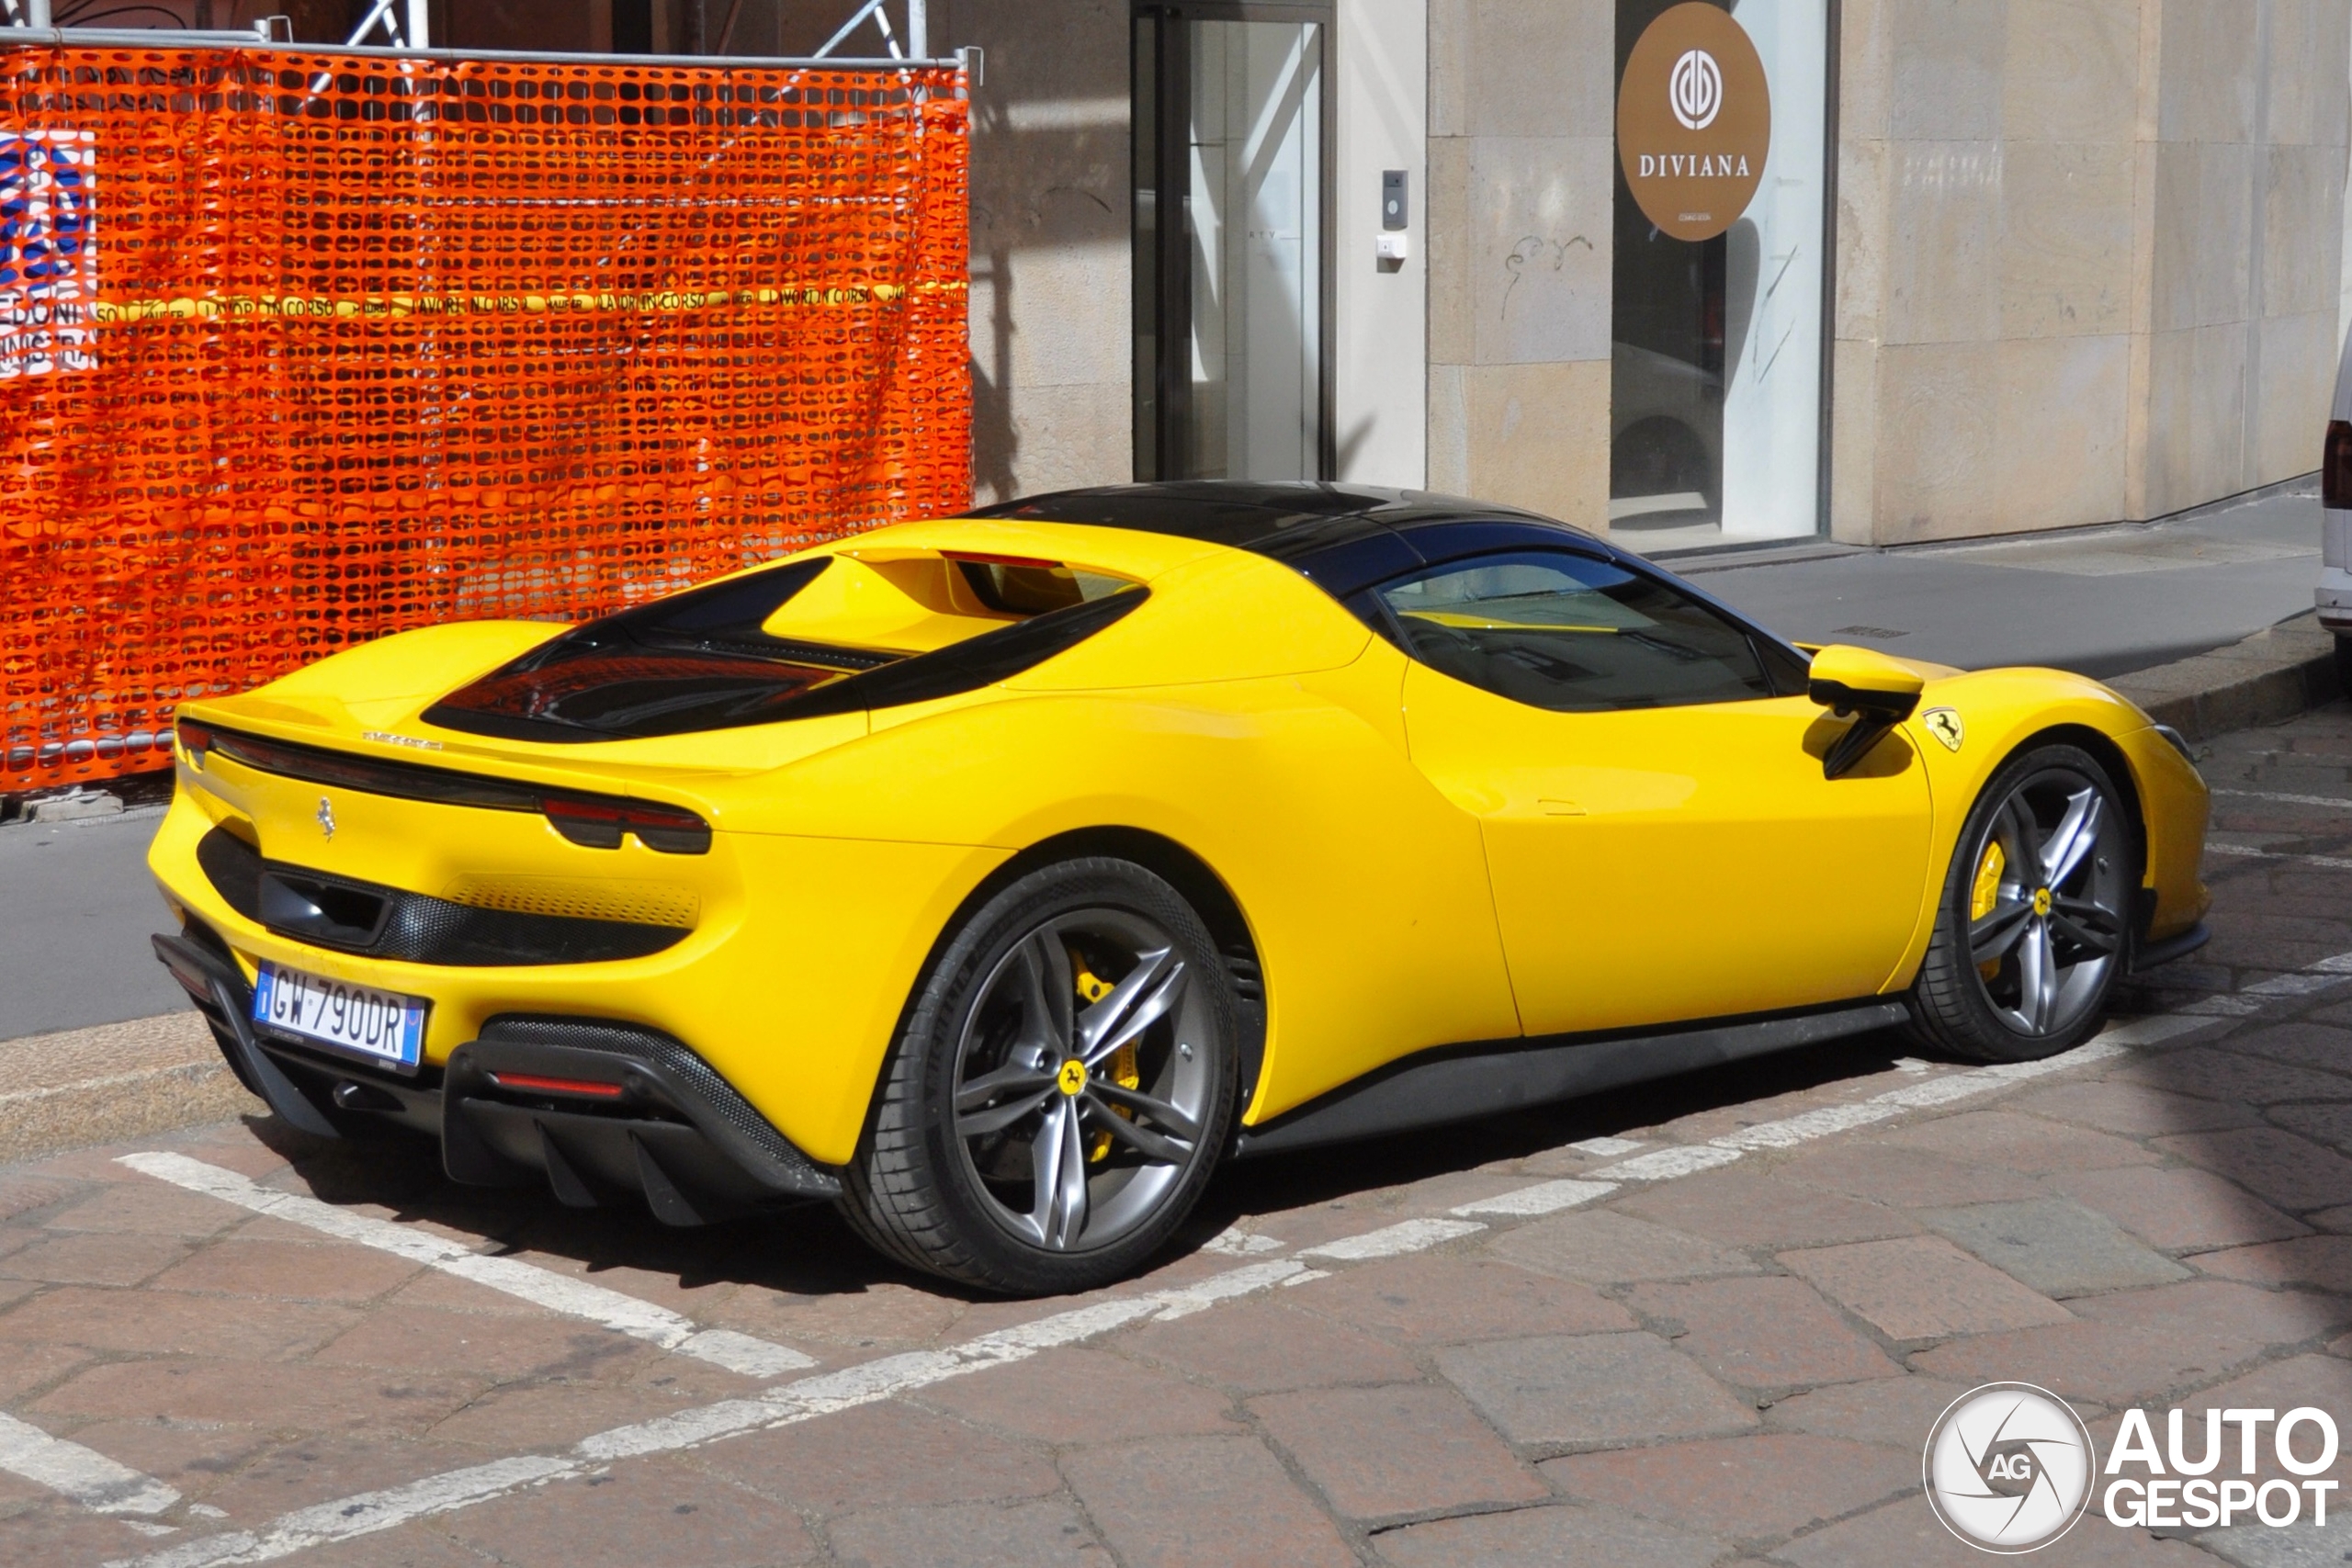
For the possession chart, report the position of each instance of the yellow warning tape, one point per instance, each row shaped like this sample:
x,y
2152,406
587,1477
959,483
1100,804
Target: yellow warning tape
x,y
215,307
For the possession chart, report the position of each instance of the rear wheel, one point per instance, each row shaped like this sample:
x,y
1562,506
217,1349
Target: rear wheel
x,y
2031,931
1062,1089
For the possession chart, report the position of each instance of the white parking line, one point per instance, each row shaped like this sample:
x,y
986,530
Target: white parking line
x,y
365,1513
2337,801
1808,1126
83,1474
1405,1235
1543,1198
1606,1148
541,1287
823,1395
2247,851
2301,983
892,1375
1235,1241
1665,1165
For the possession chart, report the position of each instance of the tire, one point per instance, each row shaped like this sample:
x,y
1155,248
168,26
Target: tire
x,y
1089,1124
2021,967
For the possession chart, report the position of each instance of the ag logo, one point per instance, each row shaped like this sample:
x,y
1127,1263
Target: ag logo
x,y
1695,91
1945,726
2009,1468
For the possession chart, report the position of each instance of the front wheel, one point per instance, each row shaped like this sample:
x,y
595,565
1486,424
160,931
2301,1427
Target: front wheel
x,y
2032,928
1062,1089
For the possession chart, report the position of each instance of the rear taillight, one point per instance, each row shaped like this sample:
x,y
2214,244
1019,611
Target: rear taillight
x,y
2336,467
196,739
532,1083
599,824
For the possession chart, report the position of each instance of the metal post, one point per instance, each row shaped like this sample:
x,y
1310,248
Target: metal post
x,y
382,11
918,29
420,24
37,13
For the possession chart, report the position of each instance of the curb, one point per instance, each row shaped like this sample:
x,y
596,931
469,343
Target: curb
x,y
114,1082
2271,676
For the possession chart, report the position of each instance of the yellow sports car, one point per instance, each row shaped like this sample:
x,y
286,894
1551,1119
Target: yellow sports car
x,y
996,877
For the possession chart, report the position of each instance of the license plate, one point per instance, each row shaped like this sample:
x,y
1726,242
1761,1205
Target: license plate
x,y
383,1027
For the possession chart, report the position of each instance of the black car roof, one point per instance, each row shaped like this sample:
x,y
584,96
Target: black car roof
x,y
1343,537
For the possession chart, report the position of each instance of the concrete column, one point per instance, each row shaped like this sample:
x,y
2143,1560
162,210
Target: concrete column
x,y
1521,186
1380,399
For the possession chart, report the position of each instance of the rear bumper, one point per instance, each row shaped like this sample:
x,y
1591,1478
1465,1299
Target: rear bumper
x,y
2333,598
789,984
599,1110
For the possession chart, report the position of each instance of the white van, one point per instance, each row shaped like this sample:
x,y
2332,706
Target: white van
x,y
2335,494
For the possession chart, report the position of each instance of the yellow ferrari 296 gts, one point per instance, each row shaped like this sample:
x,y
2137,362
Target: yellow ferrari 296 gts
x,y
997,877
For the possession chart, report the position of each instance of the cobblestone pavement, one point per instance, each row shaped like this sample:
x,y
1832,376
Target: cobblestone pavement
x,y
1705,1322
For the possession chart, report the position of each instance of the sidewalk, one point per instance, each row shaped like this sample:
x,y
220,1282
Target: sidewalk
x,y
2098,601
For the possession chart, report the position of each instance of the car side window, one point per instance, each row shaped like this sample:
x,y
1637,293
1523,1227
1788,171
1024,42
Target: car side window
x,y
1572,634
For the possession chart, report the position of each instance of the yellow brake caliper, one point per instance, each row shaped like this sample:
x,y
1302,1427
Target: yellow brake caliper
x,y
1121,1069
1987,893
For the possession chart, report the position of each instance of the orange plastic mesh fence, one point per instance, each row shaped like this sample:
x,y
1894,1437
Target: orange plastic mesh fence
x,y
298,349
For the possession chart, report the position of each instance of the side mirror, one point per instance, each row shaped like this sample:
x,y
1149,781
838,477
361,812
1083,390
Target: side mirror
x,y
1876,691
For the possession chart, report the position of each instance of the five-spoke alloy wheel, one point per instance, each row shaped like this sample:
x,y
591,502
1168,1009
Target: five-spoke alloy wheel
x,y
1061,1089
2033,928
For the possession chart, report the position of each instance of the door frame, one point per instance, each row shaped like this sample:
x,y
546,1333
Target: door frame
x,y
1160,395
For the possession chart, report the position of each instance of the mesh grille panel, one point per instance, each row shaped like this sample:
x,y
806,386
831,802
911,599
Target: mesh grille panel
x,y
300,348
645,903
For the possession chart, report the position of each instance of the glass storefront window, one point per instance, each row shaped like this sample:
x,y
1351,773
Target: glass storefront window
x,y
1716,386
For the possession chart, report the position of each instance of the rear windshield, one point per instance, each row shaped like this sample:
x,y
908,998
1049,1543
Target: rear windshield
x,y
703,660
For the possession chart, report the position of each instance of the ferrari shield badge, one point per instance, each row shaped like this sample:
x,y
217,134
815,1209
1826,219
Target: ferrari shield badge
x,y
1945,726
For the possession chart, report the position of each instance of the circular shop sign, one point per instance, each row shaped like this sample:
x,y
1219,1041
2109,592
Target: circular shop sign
x,y
2010,1467
1694,121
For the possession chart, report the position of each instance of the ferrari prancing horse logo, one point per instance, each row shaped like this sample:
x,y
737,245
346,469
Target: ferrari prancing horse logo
x,y
326,817
1945,726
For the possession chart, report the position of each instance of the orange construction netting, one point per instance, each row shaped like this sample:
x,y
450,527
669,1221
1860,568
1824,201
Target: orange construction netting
x,y
298,349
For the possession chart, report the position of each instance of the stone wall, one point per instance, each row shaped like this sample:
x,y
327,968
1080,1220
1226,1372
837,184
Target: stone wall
x,y
1051,298
1520,153
2088,253
1051,328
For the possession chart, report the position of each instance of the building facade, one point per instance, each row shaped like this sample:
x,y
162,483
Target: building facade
x,y
1896,270
2011,265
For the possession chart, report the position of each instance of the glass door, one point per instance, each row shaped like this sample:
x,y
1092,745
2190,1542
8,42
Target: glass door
x,y
1231,288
